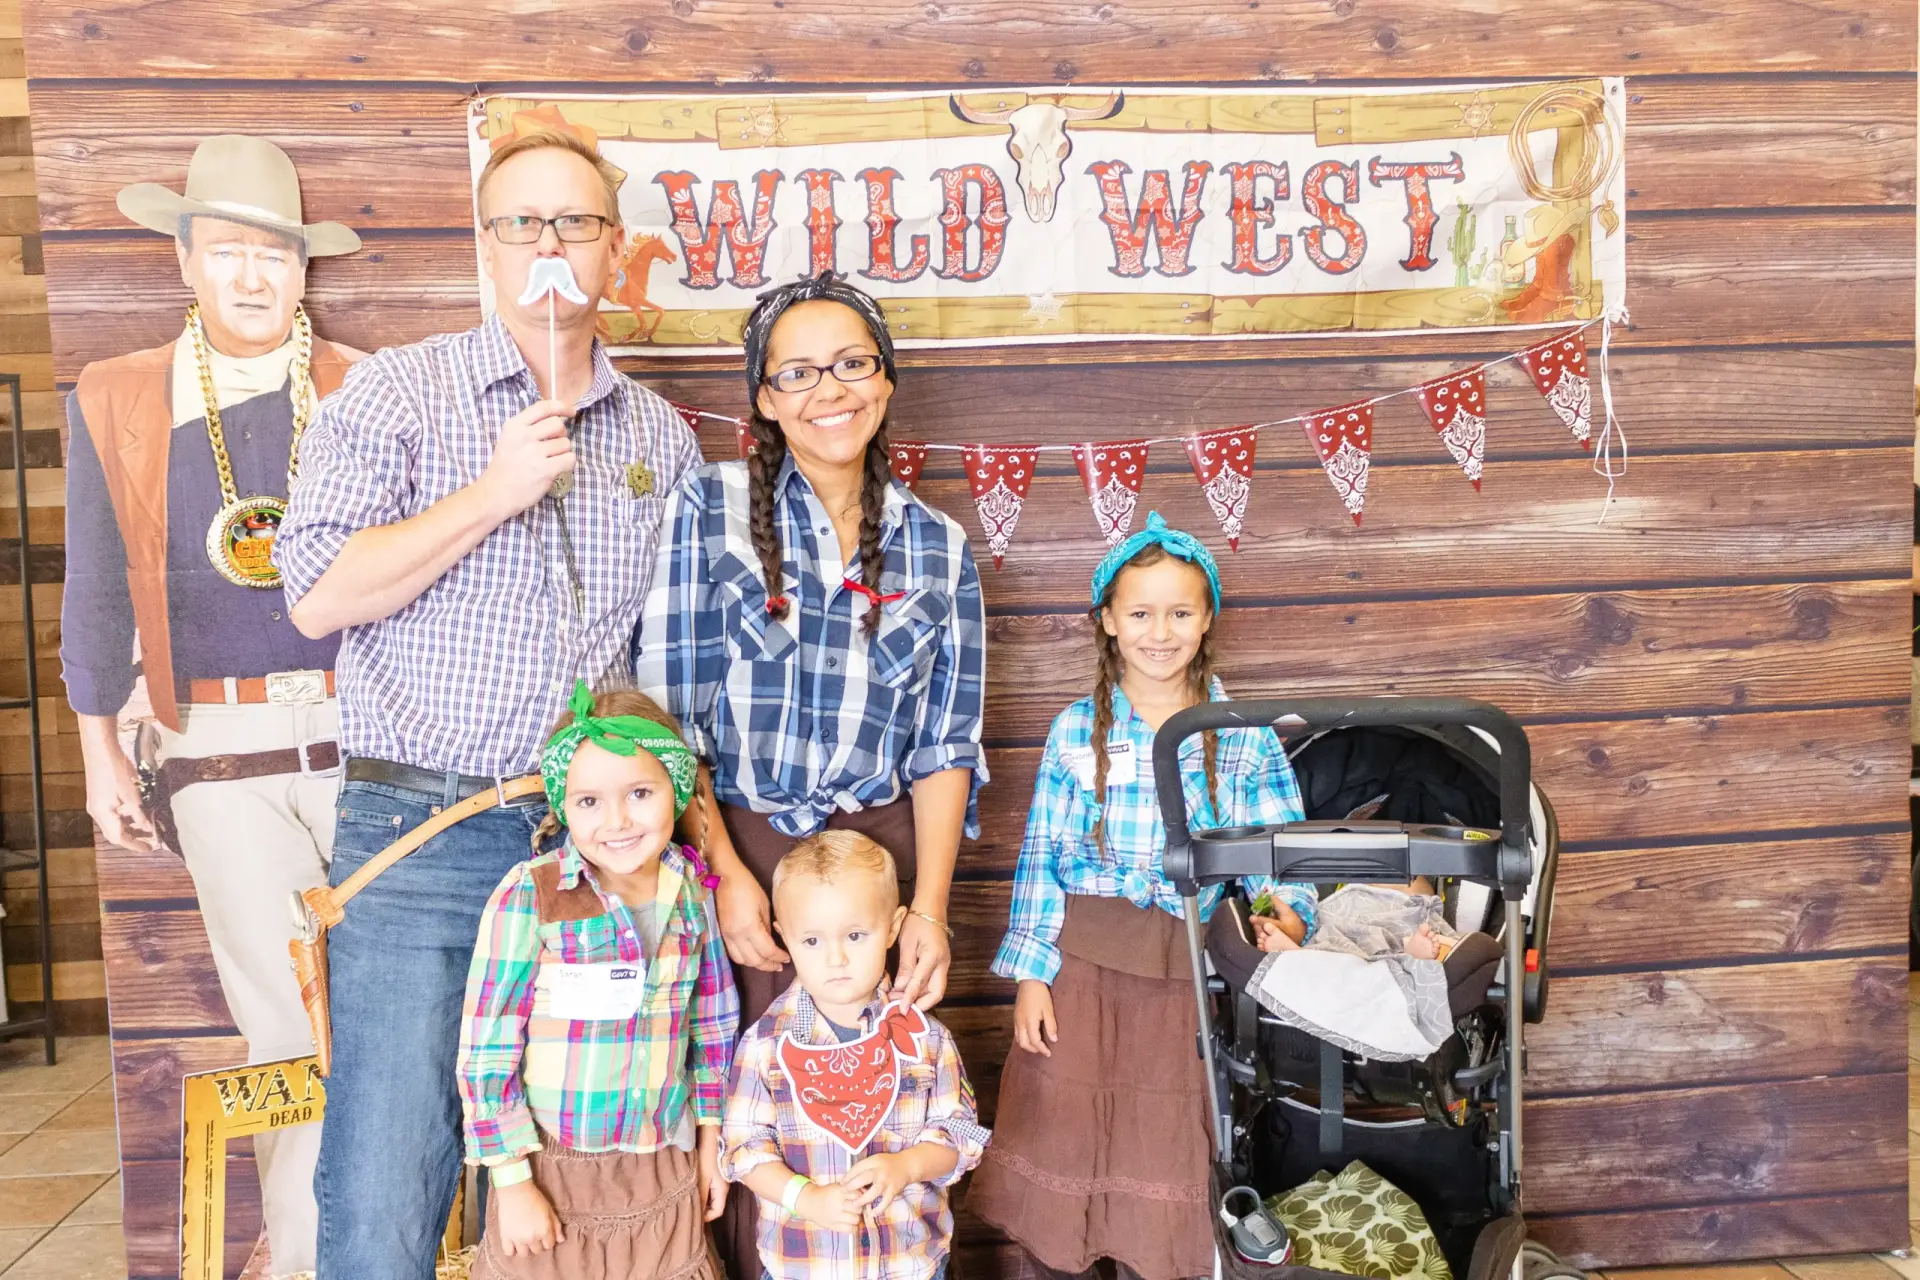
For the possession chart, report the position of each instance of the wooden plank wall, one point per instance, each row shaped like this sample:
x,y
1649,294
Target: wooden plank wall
x,y
1715,679
26,348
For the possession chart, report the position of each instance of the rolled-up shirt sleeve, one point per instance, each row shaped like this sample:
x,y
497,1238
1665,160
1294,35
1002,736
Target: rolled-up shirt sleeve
x,y
953,1119
1031,947
947,724
499,1124
715,1025
96,605
750,1129
356,472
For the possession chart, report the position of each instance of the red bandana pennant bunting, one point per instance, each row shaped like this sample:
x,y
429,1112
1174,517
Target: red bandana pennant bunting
x,y
848,1090
1112,471
907,458
1343,437
1558,367
742,433
1223,463
688,414
999,476
1456,405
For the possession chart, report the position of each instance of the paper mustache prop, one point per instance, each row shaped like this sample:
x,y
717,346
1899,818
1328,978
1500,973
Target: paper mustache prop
x,y
551,275
551,278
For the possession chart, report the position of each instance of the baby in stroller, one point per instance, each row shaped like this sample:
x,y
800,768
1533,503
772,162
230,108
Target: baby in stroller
x,y
1372,922
1368,920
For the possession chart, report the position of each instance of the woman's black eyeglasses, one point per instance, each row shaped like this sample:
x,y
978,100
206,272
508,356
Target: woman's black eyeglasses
x,y
572,228
805,377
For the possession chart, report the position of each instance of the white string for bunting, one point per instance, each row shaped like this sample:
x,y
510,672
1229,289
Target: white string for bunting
x,y
1605,387
1611,430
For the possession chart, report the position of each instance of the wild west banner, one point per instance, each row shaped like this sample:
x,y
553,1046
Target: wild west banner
x,y
1029,215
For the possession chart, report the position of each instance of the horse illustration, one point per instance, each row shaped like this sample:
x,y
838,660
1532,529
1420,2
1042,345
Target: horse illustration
x,y
627,287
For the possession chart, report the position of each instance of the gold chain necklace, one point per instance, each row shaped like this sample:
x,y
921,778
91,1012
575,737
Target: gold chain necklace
x,y
240,540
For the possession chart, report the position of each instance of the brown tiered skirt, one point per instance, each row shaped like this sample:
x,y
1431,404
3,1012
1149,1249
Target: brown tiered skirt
x,y
638,1217
1102,1150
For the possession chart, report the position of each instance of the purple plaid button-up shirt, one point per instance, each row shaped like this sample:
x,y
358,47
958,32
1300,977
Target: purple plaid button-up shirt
x,y
469,676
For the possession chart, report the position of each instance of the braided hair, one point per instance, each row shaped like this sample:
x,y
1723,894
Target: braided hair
x,y
1107,675
769,449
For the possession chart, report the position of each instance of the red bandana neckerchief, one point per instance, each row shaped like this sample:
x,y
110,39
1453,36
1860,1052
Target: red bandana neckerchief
x,y
847,1091
873,597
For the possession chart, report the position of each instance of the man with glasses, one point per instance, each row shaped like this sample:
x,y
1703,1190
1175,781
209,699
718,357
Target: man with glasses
x,y
480,523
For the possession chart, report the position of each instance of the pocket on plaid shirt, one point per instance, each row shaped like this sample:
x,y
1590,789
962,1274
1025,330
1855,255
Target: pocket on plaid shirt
x,y
910,1108
754,635
909,635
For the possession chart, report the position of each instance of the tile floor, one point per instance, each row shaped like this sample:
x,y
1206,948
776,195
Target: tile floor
x,y
60,1194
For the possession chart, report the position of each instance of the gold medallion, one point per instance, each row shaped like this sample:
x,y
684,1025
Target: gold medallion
x,y
639,479
240,540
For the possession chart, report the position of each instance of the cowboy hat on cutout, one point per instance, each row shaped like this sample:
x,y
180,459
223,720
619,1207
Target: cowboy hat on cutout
x,y
241,179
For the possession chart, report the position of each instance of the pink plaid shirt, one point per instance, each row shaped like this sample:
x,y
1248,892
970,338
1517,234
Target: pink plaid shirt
x,y
909,1238
623,1084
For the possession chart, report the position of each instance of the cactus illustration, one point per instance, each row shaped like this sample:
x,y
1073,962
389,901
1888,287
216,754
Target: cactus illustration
x,y
1460,244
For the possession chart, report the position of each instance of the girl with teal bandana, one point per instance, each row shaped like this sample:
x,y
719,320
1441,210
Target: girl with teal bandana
x,y
1101,1147
600,1018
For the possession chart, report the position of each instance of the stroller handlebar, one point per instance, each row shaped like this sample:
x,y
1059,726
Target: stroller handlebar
x,y
1346,852
1339,851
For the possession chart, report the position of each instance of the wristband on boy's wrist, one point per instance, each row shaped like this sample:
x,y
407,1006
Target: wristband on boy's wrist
x,y
790,1198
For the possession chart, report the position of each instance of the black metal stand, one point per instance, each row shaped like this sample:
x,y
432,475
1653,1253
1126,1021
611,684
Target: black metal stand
x,y
35,858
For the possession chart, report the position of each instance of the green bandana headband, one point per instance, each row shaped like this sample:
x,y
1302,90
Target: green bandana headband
x,y
622,735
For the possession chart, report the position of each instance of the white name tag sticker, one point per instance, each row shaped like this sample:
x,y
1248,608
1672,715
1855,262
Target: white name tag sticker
x,y
594,992
1122,767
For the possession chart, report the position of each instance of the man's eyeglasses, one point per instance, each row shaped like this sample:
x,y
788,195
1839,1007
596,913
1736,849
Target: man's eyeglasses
x,y
524,228
805,377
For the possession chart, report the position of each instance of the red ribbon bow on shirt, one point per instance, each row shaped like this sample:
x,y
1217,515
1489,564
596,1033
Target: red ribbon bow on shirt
x,y
848,1090
873,597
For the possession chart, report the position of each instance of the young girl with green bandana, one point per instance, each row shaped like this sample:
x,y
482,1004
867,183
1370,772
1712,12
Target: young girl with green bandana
x,y
600,1019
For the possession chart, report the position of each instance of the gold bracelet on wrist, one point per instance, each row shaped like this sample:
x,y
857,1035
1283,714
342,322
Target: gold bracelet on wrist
x,y
933,920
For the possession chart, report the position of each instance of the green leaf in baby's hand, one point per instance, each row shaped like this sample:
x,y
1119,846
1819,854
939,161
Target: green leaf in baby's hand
x,y
1263,905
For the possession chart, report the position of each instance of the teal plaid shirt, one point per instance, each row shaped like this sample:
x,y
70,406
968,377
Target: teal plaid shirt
x,y
1059,855
616,1084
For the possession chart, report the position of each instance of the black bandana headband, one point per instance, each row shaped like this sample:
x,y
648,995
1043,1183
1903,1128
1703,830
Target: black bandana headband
x,y
771,305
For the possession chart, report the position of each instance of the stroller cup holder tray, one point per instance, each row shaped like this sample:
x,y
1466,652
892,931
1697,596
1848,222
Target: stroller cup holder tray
x,y
1339,852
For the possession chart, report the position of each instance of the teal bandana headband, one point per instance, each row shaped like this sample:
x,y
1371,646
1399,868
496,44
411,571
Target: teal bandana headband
x,y
622,735
1183,546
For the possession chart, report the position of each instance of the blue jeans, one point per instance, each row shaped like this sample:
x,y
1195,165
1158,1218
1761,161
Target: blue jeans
x,y
390,1147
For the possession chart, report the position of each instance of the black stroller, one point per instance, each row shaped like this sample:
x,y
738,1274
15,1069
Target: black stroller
x,y
1443,789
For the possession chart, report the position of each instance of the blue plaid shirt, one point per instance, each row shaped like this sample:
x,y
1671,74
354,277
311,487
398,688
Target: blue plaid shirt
x,y
469,677
1059,856
804,715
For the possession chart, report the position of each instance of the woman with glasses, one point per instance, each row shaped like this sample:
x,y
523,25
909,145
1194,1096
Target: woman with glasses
x,y
819,632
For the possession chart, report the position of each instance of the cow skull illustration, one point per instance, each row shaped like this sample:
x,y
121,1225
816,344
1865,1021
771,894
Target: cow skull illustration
x,y
1037,140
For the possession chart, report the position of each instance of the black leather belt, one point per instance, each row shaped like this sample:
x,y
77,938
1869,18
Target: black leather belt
x,y
428,781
